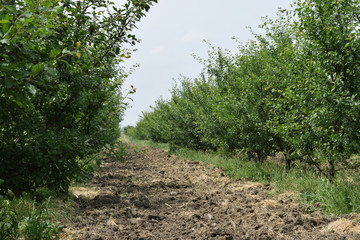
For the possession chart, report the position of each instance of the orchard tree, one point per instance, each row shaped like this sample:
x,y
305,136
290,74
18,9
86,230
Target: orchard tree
x,y
293,90
60,85
331,40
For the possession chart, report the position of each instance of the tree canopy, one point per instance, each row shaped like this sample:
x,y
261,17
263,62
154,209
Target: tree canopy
x,y
60,83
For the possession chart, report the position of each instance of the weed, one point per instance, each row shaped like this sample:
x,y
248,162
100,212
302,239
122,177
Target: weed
x,y
25,219
36,226
8,222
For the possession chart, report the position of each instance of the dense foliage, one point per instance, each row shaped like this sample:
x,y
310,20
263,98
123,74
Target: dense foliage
x,y
294,90
60,83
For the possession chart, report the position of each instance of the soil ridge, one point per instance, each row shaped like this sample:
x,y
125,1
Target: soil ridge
x,y
154,195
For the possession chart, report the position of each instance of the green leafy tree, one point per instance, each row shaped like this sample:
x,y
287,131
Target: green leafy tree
x,y
293,90
330,36
60,86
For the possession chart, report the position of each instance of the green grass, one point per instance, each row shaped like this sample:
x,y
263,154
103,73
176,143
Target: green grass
x,y
340,197
149,143
25,219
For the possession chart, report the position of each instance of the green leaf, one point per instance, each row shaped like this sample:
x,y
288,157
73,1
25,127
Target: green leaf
x,y
32,89
5,27
20,104
4,21
51,71
36,69
55,52
65,51
5,41
9,82
46,3
30,3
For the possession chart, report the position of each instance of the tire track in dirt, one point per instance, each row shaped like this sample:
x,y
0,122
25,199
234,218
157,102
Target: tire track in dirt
x,y
153,195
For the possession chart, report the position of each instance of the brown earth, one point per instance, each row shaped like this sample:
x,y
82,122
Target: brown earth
x,y
153,195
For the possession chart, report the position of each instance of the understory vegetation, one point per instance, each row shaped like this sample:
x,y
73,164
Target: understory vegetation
x,y
60,99
26,219
292,93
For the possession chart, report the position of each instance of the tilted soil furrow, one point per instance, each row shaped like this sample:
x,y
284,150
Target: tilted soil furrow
x,y
153,195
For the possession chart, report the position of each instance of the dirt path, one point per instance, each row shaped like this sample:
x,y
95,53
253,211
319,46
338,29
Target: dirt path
x,y
153,195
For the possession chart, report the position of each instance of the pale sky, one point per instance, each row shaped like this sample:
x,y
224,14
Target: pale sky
x,y
174,29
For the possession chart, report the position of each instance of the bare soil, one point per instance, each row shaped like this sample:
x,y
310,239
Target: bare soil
x,y
154,195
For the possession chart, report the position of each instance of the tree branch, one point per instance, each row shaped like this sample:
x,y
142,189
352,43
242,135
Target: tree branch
x,y
122,30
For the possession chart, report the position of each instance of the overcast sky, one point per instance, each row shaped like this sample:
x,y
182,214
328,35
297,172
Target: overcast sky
x,y
175,29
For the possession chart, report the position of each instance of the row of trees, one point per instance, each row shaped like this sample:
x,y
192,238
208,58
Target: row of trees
x,y
294,90
60,85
